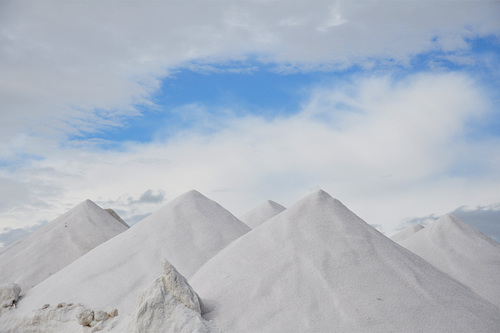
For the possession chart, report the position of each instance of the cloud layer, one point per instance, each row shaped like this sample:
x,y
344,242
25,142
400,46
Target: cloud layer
x,y
72,67
388,148
390,140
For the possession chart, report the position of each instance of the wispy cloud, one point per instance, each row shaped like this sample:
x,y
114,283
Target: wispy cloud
x,y
81,66
149,197
10,236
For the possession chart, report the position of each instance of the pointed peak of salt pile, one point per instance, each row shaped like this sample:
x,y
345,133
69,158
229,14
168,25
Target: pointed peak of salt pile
x,y
450,226
188,231
262,213
406,232
339,273
58,243
463,252
191,195
193,213
86,205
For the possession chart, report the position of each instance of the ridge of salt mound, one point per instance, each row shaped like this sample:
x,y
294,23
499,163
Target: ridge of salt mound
x,y
188,231
463,252
262,213
116,216
406,232
317,267
39,255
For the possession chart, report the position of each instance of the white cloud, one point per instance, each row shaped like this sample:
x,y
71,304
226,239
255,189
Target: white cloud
x,y
62,61
385,147
388,159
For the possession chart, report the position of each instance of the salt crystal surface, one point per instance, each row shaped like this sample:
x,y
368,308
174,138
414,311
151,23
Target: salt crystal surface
x,y
317,267
34,258
188,231
407,232
261,213
461,251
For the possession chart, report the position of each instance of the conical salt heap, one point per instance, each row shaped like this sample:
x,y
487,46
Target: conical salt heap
x,y
188,231
262,213
317,267
43,253
407,232
461,251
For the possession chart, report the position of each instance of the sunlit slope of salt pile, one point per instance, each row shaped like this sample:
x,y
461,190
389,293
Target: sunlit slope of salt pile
x,y
407,232
35,257
262,213
188,231
317,267
463,252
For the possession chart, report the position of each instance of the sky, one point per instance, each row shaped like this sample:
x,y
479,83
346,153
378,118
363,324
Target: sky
x,y
392,107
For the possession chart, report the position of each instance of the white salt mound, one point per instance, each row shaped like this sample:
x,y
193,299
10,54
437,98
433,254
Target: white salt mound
x,y
317,267
188,231
41,254
463,252
169,304
262,213
405,233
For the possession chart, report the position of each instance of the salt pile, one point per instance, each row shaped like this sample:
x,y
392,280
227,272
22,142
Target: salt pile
x,y
188,231
36,257
461,251
262,213
407,232
169,304
317,267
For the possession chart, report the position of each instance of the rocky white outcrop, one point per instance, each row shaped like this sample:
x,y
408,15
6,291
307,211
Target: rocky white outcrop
x,y
169,304
9,294
57,318
96,320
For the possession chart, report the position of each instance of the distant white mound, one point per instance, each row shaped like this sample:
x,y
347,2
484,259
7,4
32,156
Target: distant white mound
x,y
463,252
41,254
317,267
188,231
262,213
407,232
